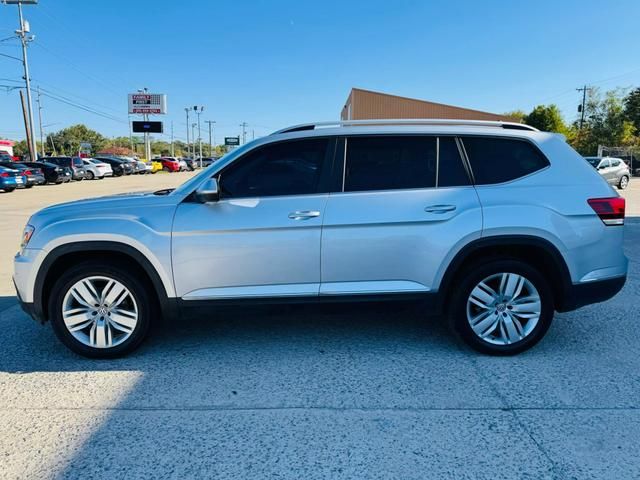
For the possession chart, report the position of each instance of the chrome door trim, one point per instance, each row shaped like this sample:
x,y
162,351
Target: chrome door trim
x,y
255,291
371,287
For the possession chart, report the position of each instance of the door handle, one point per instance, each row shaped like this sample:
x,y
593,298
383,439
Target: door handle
x,y
439,208
304,214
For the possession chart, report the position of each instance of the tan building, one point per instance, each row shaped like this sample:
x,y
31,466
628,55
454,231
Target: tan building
x,y
366,105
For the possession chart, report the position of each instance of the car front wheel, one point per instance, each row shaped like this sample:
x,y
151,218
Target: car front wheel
x,y
501,307
100,310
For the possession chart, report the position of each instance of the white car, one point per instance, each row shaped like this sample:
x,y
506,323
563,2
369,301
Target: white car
x,y
96,169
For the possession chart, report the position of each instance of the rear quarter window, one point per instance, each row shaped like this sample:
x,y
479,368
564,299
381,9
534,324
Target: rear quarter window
x,y
497,160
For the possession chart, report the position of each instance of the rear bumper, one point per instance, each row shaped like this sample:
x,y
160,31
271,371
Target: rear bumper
x,y
583,294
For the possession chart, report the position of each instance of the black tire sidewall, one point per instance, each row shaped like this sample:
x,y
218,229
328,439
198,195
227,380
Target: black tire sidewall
x,y
90,176
476,273
117,272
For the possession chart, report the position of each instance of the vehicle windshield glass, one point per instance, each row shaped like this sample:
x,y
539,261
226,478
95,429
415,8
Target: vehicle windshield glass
x,y
593,161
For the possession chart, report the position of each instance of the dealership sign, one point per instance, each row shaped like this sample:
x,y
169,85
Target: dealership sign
x,y
147,103
232,141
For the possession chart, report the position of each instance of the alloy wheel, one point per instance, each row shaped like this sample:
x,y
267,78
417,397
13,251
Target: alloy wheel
x,y
100,312
504,308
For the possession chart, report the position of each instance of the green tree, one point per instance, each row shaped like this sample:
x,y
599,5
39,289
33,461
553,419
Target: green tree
x,y
632,108
516,115
546,118
606,123
67,141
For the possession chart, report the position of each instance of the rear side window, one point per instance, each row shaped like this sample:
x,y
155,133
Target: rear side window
x,y
451,171
497,160
615,163
390,163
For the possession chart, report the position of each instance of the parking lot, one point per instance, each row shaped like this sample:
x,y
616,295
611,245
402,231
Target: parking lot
x,y
377,391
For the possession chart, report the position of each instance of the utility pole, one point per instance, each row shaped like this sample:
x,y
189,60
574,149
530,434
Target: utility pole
x,y
40,123
198,110
172,150
24,40
193,137
187,111
211,123
133,148
584,91
26,123
147,142
244,126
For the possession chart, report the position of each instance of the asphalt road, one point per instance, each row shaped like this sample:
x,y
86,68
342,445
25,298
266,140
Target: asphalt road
x,y
327,392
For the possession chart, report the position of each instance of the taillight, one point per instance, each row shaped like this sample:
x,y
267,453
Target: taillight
x,y
610,210
4,174
27,172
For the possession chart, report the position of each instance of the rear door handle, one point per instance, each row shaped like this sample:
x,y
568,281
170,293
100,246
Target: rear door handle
x,y
304,214
439,208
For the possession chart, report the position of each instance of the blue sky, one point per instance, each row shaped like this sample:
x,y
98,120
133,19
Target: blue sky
x,y
274,63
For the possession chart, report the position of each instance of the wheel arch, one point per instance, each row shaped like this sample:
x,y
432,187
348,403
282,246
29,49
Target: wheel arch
x,y
65,255
538,252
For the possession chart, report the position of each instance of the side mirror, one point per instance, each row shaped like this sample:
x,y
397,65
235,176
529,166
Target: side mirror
x,y
602,167
208,191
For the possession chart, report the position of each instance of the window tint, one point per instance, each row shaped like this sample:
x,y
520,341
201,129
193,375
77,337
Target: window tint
x,y
496,160
605,164
451,171
390,163
615,163
288,168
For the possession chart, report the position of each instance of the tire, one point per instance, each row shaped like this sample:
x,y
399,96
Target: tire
x,y
137,301
623,183
497,317
89,175
165,169
29,186
10,189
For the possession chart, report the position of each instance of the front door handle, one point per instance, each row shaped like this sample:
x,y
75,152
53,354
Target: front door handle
x,y
439,208
304,214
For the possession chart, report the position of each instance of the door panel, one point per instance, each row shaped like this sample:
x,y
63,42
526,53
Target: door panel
x,y
245,247
394,240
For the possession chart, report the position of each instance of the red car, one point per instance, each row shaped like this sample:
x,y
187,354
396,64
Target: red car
x,y
169,164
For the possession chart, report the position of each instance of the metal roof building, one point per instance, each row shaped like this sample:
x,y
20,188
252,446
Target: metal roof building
x,y
365,104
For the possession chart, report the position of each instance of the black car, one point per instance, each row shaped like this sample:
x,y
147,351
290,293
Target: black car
x,y
75,164
34,175
52,173
119,167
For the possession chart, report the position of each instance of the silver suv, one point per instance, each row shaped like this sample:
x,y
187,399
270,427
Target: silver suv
x,y
496,225
613,170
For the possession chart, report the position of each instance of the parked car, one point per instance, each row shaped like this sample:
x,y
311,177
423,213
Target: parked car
x,y
190,163
119,167
75,164
156,166
10,179
496,224
614,170
170,164
137,166
96,169
32,176
207,161
52,173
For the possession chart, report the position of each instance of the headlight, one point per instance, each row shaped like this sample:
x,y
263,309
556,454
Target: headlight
x,y
26,236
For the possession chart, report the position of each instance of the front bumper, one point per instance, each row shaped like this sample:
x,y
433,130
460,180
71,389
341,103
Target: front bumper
x,y
579,295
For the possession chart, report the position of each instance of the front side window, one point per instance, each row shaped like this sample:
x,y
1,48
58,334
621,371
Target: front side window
x,y
286,168
390,163
497,160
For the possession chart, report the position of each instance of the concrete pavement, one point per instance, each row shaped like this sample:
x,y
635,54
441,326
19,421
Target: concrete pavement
x,y
327,392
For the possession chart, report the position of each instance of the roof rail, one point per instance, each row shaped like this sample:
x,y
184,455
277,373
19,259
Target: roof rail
x,y
407,121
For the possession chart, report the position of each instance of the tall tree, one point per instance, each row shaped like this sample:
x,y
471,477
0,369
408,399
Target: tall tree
x,y
546,118
68,140
632,108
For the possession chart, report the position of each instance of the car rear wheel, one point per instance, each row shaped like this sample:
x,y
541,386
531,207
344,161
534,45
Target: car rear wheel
x,y
624,182
90,176
501,307
9,190
99,310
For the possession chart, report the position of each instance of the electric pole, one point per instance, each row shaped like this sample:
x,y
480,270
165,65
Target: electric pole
x,y
584,91
133,148
147,142
40,123
172,150
211,123
198,113
187,110
24,40
244,126
193,137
